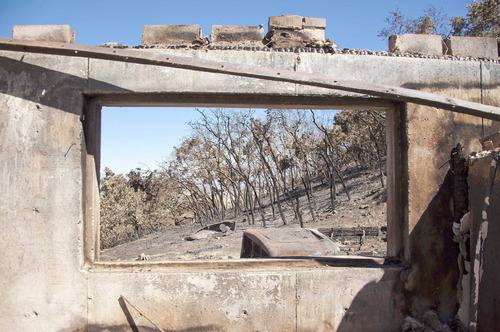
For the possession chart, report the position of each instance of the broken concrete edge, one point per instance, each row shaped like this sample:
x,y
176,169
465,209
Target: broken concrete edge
x,y
485,47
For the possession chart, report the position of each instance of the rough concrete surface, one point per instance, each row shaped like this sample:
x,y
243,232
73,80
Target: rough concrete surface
x,y
40,203
291,31
375,292
314,22
292,22
294,38
413,43
234,301
486,47
171,34
48,285
224,35
52,33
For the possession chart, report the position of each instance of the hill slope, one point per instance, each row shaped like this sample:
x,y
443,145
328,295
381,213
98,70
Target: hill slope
x,y
366,208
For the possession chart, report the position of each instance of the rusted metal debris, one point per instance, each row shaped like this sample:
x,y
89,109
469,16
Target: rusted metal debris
x,y
273,74
286,242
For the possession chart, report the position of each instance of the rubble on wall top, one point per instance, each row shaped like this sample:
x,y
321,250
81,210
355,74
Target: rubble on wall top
x,y
344,51
287,33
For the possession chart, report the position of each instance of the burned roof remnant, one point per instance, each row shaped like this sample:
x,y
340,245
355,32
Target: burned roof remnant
x,y
289,242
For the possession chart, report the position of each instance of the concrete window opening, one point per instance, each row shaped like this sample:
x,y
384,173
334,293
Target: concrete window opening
x,y
51,107
229,170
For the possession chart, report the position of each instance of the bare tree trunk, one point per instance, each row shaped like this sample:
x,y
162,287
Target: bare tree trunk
x,y
331,182
262,211
271,196
236,204
343,183
222,205
329,143
309,200
248,200
258,143
294,204
299,214
379,157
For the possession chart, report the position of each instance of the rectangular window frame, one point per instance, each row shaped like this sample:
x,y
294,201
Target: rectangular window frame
x,y
397,176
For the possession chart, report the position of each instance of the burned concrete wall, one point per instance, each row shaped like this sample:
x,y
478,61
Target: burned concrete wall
x,y
51,280
484,186
49,283
308,300
432,135
42,222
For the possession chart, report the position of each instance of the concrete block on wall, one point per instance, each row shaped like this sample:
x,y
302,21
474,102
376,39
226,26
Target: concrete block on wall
x,y
314,23
312,34
294,38
292,31
486,47
292,22
51,33
416,43
171,34
223,35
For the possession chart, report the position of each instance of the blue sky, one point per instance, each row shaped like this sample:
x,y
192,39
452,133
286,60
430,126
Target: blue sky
x,y
127,140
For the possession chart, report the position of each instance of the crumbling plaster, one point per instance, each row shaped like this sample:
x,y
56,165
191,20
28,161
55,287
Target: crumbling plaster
x,y
48,284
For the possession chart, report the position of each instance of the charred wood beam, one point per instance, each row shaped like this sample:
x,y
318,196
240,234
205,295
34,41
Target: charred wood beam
x,y
273,74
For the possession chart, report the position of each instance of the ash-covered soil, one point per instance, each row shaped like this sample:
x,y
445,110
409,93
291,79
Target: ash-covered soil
x,y
366,208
